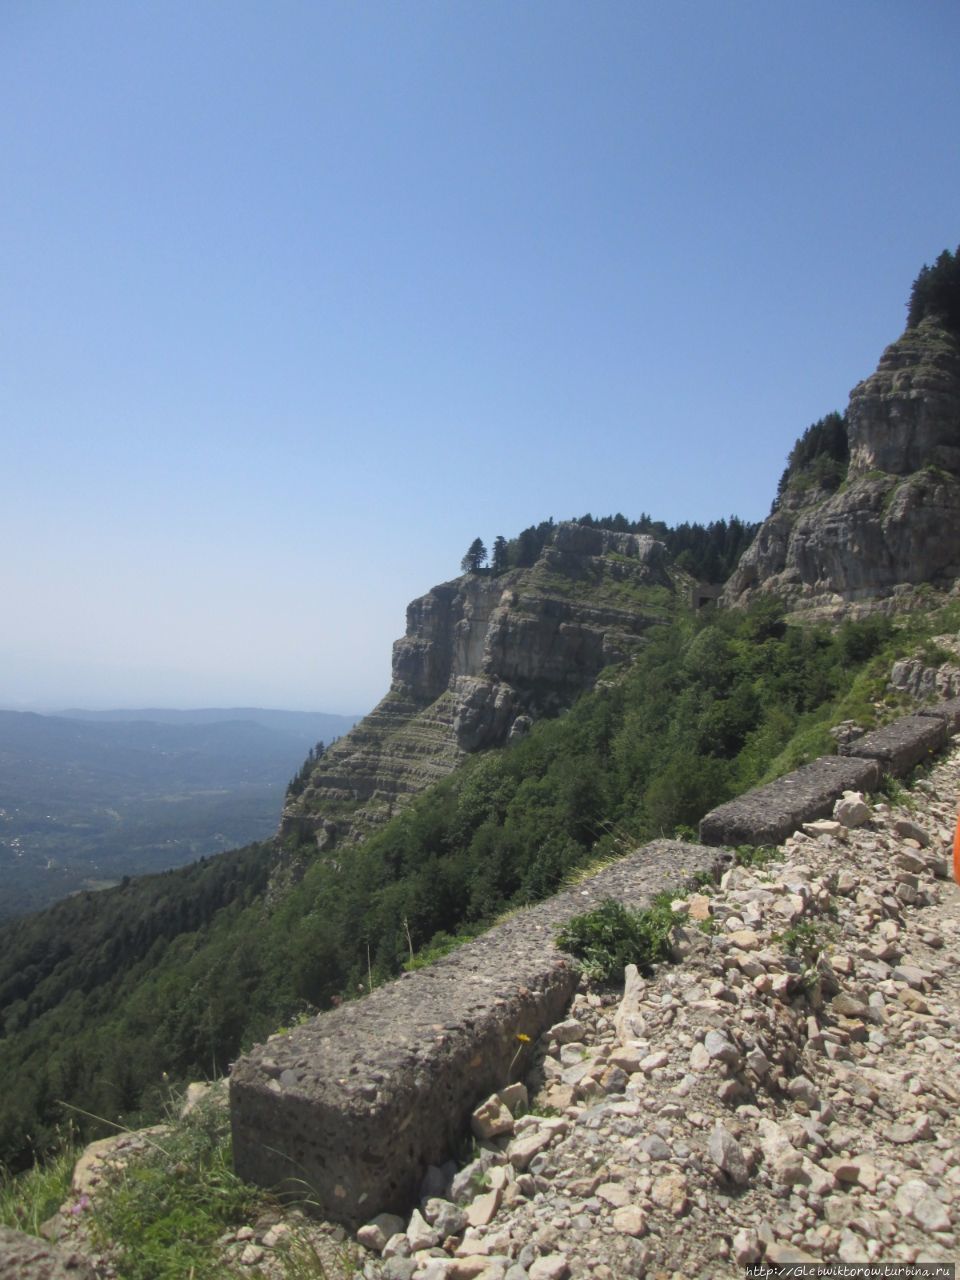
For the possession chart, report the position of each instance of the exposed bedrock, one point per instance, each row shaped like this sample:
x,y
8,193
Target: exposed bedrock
x,y
482,656
895,523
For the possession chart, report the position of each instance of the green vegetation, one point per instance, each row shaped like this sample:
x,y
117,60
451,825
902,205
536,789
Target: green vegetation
x,y
936,292
30,1198
709,552
162,1211
475,558
612,936
298,783
819,459
177,973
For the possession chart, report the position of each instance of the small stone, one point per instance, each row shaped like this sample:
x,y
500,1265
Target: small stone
x,y
802,1089
397,1246
420,1234
552,1266
758,1063
515,1098
572,1031
251,1255
719,1047
471,1268
911,1000
727,1154
614,1193
654,1060
276,1234
911,831
745,939
915,1200
698,907
848,1006
656,1148
700,1060
630,1221
629,1022
375,1234
522,1150
670,1192
822,827
491,1119
397,1268
746,1247
482,1209
783,1254
446,1218
852,810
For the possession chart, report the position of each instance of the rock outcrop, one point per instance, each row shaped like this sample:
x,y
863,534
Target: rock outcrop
x,y
481,658
894,524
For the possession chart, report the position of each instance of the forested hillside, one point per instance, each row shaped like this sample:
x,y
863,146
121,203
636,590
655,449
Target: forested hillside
x,y
107,995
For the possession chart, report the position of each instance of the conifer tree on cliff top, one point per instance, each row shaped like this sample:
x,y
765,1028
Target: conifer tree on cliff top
x,y
475,558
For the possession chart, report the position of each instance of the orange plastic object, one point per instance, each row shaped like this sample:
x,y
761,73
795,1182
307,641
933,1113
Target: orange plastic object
x,y
956,851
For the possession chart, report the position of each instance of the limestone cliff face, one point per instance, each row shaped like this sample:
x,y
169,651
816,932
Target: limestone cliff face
x,y
481,658
895,522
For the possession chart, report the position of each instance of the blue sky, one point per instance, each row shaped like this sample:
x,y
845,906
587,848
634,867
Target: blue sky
x,y
299,298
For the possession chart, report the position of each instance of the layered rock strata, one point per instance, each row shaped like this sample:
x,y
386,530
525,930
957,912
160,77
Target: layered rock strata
x,y
895,522
483,656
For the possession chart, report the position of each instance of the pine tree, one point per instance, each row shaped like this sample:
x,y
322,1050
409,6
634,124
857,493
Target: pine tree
x,y
475,558
501,560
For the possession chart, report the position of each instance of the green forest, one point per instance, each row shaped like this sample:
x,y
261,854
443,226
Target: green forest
x,y
107,998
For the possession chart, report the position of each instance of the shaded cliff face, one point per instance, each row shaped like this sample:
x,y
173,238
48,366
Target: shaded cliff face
x,y
481,658
895,522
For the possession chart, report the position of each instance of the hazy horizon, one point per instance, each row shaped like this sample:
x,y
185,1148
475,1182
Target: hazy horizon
x,y
302,300
62,708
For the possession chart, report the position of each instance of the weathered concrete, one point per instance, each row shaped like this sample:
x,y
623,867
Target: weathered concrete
x,y
23,1257
349,1109
769,814
901,745
948,711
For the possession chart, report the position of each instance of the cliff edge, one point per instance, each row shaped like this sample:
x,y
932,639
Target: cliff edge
x,y
482,657
894,522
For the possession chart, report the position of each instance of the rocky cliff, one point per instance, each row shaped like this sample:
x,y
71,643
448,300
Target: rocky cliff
x,y
894,523
481,658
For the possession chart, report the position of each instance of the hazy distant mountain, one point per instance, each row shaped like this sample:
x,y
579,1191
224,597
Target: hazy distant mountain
x,y
307,726
89,797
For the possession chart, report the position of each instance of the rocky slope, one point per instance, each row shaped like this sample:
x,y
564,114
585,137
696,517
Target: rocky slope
x,y
482,657
895,522
785,1093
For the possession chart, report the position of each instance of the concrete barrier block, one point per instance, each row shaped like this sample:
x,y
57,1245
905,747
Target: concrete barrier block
x,y
768,814
347,1111
948,711
901,745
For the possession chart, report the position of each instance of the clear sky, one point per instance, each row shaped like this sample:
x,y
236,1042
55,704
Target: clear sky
x,y
298,298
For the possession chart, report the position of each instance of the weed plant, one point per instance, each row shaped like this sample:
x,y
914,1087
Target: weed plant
x,y
612,936
30,1198
160,1214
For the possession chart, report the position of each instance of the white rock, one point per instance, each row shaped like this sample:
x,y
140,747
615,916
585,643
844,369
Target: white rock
x,y
746,1247
420,1234
630,1220
491,1119
552,1266
375,1234
629,1023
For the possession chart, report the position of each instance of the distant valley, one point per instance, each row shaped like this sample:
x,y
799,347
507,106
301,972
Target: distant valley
x,y
88,797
